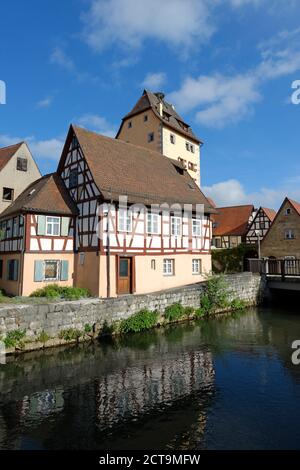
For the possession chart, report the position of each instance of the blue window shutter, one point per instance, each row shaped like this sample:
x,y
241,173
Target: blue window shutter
x,y
65,221
8,270
38,271
16,269
64,270
41,225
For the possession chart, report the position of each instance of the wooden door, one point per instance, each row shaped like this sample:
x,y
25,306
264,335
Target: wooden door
x,y
125,276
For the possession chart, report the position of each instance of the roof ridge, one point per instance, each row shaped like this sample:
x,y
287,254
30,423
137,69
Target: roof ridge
x,y
13,145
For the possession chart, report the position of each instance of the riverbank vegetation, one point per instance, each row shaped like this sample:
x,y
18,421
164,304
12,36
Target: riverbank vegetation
x,y
215,298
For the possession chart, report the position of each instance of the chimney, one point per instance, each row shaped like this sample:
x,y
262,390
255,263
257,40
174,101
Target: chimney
x,y
160,104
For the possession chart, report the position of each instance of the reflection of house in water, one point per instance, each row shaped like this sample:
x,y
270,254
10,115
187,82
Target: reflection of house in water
x,y
135,391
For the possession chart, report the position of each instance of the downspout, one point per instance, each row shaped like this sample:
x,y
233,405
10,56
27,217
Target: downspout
x,y
22,256
108,250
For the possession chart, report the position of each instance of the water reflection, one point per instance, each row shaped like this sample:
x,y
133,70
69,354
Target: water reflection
x,y
185,387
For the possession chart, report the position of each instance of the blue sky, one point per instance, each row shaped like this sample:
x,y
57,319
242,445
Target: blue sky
x,y
227,65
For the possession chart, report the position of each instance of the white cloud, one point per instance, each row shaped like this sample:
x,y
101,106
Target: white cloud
x,y
232,192
225,99
129,22
59,57
219,100
45,103
49,149
153,81
97,123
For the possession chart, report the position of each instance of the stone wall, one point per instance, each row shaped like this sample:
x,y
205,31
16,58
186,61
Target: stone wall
x,y
54,317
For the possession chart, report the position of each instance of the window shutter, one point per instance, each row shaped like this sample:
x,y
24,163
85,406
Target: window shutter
x,y
16,270
64,270
41,225
7,270
38,271
65,222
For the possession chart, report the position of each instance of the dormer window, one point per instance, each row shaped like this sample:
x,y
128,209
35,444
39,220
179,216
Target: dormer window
x,y
21,164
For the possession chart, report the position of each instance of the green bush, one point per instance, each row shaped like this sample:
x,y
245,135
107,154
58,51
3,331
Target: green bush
x,y
140,321
216,295
229,260
199,312
53,291
43,337
88,328
70,334
189,311
237,304
14,338
174,312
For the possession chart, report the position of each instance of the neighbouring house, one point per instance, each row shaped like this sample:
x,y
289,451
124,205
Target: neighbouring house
x,y
282,240
73,227
17,170
230,225
155,124
260,225
37,238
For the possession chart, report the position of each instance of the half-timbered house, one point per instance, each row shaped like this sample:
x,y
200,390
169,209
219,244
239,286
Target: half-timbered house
x,y
231,225
260,225
122,219
37,238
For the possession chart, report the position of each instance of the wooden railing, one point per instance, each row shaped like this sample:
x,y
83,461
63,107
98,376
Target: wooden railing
x,y
275,267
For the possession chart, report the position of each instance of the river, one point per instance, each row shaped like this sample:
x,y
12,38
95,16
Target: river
x,y
223,383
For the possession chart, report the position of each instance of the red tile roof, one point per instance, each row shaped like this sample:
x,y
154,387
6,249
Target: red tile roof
x,y
295,204
6,153
145,176
47,194
232,220
270,213
172,119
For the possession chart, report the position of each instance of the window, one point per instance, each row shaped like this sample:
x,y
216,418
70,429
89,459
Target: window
x,y
125,220
152,223
288,211
196,266
196,228
187,146
150,136
51,270
168,267
53,226
15,227
12,269
73,178
192,148
22,164
153,264
172,138
218,243
8,194
289,234
1,268
146,118
175,226
129,125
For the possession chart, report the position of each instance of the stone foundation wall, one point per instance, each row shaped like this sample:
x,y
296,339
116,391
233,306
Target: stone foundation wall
x,y
54,317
